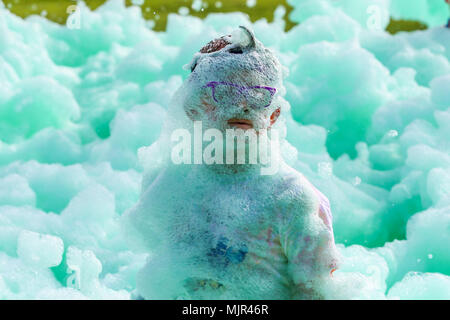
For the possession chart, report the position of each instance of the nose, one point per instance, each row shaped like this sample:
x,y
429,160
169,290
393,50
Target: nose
x,y
245,107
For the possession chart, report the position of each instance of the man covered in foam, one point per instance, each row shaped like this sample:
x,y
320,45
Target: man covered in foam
x,y
225,231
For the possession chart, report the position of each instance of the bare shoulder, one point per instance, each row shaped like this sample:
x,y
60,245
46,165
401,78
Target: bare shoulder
x,y
299,201
296,195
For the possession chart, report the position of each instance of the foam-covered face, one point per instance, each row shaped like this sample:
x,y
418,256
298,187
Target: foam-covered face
x,y
235,83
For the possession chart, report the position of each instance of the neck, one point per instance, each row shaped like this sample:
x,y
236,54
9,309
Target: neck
x,y
234,169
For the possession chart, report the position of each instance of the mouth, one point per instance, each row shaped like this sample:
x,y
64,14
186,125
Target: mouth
x,y
240,123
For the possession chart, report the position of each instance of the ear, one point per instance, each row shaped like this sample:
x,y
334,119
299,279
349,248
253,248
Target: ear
x,y
274,116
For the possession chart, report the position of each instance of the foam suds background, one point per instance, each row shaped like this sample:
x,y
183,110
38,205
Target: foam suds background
x,y
370,122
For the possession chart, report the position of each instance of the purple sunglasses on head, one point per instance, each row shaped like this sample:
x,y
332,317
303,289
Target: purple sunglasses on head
x,y
256,96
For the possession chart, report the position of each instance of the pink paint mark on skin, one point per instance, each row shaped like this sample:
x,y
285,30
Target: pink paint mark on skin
x,y
324,217
209,109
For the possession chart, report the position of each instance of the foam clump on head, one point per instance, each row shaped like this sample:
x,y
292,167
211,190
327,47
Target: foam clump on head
x,y
219,58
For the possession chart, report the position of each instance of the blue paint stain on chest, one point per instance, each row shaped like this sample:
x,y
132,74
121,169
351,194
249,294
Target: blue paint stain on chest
x,y
224,254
